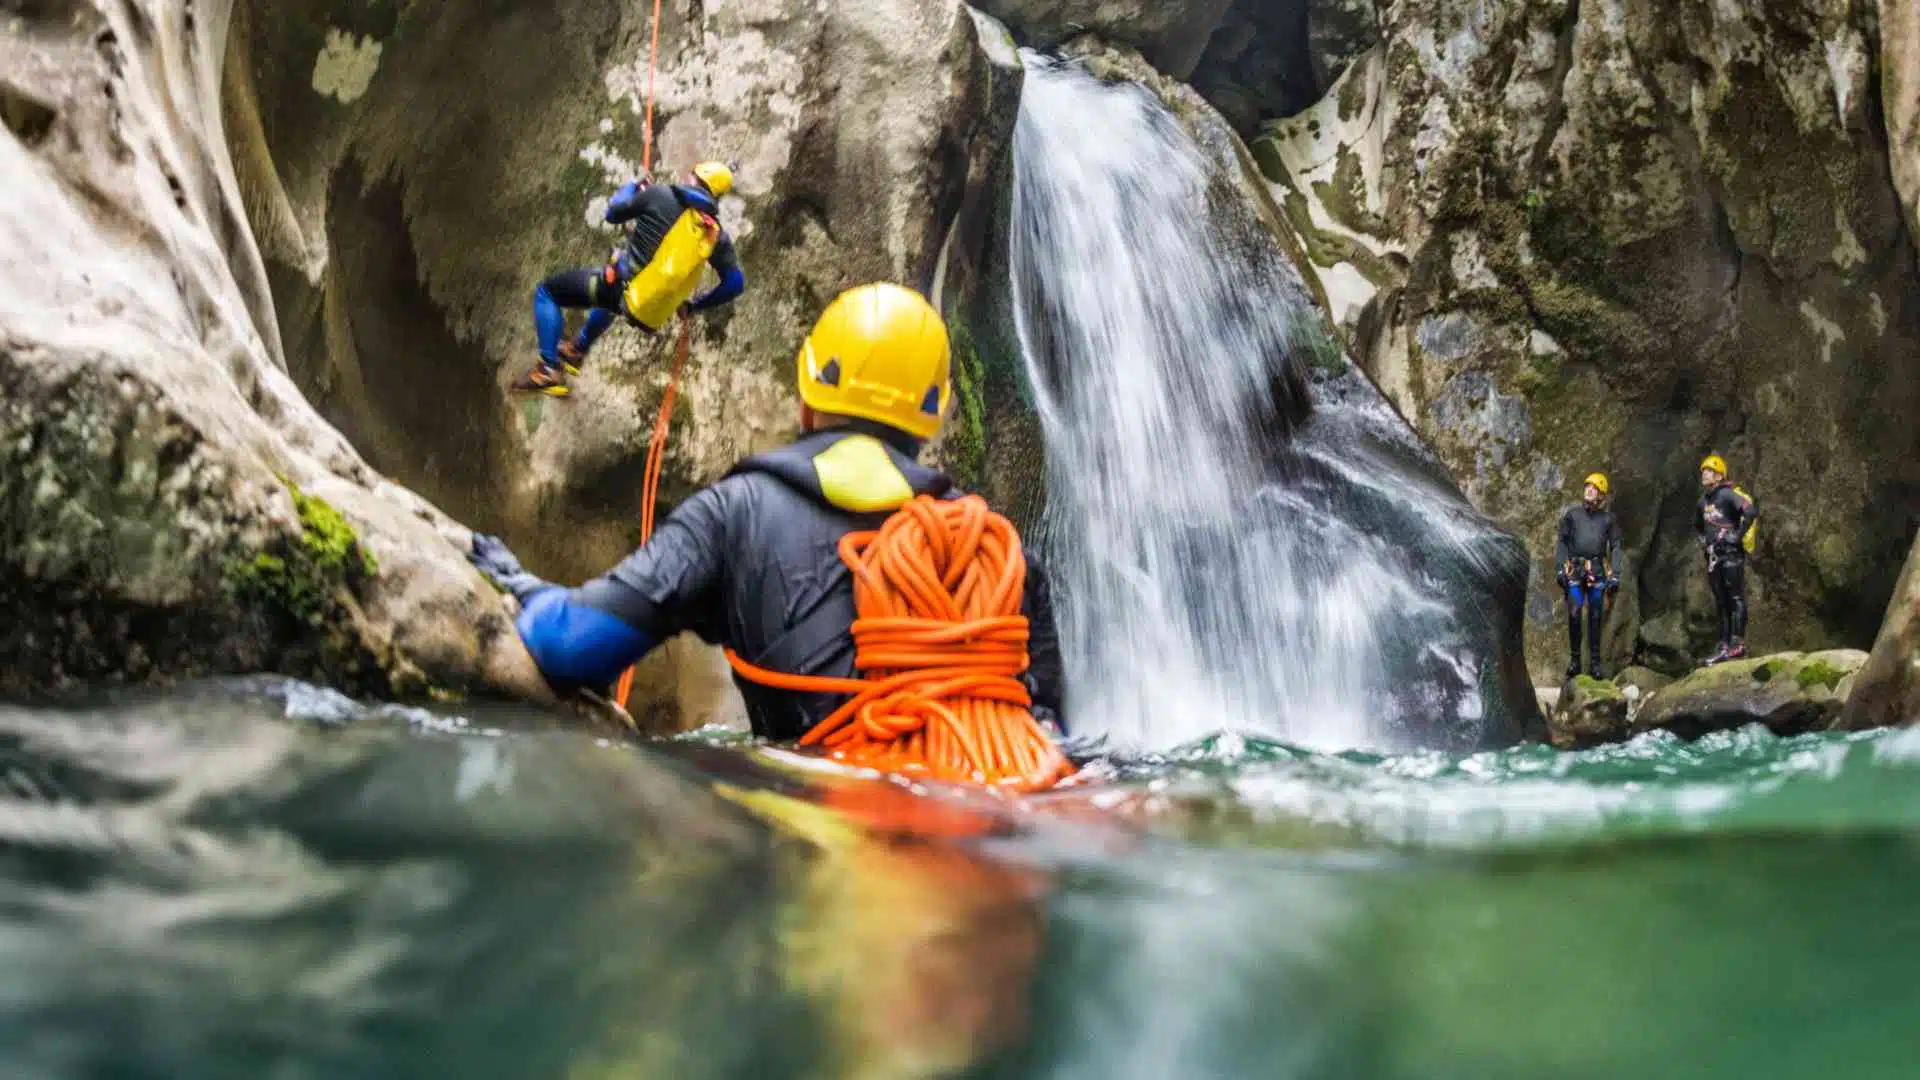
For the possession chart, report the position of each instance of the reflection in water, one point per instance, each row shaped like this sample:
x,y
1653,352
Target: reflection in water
x,y
263,880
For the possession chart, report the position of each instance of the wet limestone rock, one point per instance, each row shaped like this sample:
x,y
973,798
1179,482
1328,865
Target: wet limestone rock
x,y
171,504
414,170
1788,692
1171,33
1589,712
1900,100
1887,689
1611,234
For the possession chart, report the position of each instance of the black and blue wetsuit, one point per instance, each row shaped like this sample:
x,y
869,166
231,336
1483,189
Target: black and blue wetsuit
x,y
752,563
648,211
1587,555
1721,524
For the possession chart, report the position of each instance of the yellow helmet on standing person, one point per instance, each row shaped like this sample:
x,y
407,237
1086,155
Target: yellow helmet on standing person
x,y
1716,463
716,176
1598,480
879,352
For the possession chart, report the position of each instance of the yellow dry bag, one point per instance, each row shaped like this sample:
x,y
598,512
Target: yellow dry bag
x,y
657,291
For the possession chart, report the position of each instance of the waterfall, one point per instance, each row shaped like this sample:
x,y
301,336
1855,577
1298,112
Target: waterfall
x,y
1243,535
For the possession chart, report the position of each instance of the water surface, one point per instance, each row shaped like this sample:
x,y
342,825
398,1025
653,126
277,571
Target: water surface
x,y
262,879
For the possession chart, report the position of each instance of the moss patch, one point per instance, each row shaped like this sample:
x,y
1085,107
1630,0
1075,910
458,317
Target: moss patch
x,y
305,577
966,437
1588,686
1819,673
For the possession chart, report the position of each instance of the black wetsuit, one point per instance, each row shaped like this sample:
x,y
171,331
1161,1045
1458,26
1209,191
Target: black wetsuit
x,y
1725,517
753,563
1587,558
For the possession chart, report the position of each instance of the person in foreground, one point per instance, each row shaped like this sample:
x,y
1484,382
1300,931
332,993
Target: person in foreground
x,y
753,562
1587,558
673,233
1724,528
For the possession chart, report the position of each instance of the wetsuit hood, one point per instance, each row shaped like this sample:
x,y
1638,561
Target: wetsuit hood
x,y
861,468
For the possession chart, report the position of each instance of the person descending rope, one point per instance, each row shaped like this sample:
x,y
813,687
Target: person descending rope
x,y
887,616
673,233
1587,558
1724,527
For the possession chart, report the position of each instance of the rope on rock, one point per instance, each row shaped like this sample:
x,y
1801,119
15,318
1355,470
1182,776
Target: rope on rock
x,y
662,424
940,643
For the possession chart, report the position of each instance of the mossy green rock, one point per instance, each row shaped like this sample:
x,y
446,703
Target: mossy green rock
x,y
1787,692
1590,712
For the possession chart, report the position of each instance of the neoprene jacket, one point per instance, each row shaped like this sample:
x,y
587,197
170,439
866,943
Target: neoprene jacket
x,y
1724,518
649,211
1589,533
752,563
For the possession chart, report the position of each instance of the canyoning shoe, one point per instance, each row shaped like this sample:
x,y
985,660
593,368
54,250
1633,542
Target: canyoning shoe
x,y
1737,650
1719,657
1596,671
543,379
1573,669
571,358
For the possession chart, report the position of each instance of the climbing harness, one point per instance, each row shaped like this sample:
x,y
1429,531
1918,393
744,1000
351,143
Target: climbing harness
x,y
940,642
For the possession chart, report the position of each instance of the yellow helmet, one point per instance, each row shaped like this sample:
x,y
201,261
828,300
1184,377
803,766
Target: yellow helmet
x,y
1716,463
716,175
879,352
1598,480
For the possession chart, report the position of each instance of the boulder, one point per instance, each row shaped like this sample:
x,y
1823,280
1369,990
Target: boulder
x,y
172,504
1611,235
1887,689
1589,712
1170,33
1788,692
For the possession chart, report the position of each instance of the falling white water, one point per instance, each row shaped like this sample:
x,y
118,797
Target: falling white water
x,y
1209,581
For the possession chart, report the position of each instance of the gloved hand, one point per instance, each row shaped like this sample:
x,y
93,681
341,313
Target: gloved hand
x,y
1613,584
491,557
1560,578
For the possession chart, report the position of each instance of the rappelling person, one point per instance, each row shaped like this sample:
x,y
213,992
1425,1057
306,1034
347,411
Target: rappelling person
x,y
1587,562
751,562
1724,526
673,234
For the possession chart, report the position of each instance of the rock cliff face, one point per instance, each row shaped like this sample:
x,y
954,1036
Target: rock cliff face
x,y
199,423
1616,235
415,171
172,505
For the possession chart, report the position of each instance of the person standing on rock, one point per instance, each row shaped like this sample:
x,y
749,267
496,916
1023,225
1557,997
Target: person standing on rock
x,y
1724,527
673,234
754,562
1587,556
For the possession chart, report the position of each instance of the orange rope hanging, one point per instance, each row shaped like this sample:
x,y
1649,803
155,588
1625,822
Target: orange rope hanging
x,y
656,451
940,644
657,446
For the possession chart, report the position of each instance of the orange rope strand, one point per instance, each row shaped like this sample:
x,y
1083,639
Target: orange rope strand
x,y
940,644
656,446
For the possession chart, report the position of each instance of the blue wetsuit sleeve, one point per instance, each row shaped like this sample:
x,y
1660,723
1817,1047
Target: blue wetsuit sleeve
x,y
575,643
624,204
672,582
733,281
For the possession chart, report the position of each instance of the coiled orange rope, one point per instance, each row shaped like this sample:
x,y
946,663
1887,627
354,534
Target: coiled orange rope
x,y
940,646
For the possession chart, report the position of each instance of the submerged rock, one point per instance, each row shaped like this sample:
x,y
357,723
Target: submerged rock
x,y
1789,692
